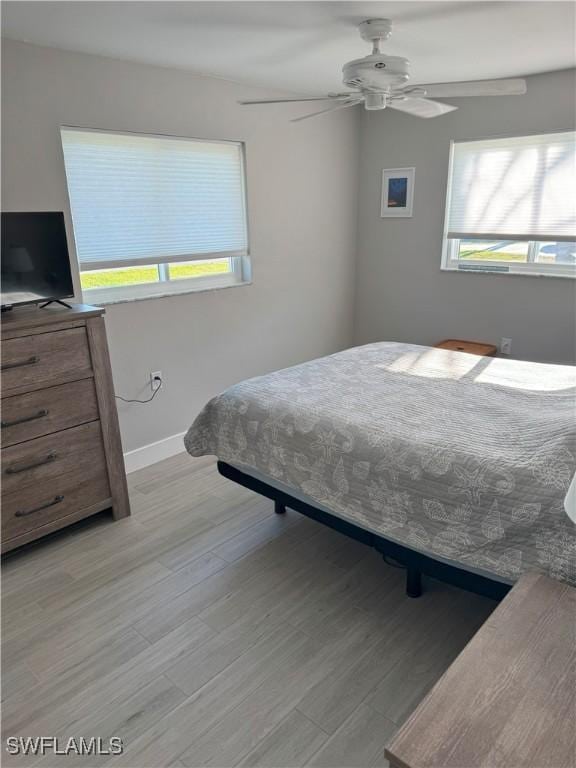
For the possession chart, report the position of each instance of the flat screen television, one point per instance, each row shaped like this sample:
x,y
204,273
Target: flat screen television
x,y
35,265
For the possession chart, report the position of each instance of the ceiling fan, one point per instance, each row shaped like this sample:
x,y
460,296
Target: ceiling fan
x,y
380,81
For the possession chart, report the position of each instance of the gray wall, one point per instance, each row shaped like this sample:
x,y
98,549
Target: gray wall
x,y
401,293
302,195
303,200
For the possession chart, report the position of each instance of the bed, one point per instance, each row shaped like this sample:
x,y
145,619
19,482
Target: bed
x,y
455,465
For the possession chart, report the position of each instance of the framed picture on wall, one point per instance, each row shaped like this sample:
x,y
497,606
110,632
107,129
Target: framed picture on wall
x,y
397,192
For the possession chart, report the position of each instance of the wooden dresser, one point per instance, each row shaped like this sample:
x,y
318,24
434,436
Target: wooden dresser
x,y
61,452
509,699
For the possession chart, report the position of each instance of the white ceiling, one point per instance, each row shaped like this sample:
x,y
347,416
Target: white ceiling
x,y
301,46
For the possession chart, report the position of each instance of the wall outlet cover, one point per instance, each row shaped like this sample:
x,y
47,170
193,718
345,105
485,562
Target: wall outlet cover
x,y
156,380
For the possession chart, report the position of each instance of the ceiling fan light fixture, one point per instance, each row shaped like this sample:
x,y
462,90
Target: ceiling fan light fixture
x,y
374,101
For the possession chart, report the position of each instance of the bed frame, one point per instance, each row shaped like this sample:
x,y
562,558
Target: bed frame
x,y
415,563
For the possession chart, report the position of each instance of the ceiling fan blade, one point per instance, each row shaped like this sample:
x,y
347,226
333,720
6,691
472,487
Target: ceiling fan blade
x,y
351,103
291,99
421,107
511,87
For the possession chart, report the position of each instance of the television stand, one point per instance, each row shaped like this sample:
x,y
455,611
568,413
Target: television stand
x,y
55,301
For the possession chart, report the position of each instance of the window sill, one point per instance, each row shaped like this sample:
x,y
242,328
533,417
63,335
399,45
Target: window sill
x,y
510,273
102,297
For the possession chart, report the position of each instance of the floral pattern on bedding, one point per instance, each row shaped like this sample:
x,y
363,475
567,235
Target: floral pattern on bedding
x,y
463,457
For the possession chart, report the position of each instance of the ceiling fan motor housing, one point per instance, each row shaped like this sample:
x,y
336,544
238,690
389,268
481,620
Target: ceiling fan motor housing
x,y
377,71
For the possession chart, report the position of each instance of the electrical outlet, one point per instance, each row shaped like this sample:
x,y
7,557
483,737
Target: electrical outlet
x,y
156,380
505,346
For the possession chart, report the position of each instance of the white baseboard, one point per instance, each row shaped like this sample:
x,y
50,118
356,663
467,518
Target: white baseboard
x,y
150,454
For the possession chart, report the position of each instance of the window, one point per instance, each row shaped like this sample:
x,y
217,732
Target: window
x,y
155,214
511,205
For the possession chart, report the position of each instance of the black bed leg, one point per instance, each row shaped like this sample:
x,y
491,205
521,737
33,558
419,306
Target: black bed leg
x,y
413,582
279,508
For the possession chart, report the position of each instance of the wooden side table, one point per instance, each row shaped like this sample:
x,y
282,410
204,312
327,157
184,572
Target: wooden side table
x,y
509,699
472,347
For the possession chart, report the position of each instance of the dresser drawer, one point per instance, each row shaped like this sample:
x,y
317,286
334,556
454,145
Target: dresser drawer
x,y
34,362
75,451
57,500
48,410
51,477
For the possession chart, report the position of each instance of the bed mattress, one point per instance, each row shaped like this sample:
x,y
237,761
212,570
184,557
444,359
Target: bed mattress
x,y
464,458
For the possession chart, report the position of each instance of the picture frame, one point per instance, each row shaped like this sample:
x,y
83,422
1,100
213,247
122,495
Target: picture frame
x,y
397,199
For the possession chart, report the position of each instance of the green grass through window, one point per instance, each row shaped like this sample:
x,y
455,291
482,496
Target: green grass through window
x,y
110,278
178,271
491,256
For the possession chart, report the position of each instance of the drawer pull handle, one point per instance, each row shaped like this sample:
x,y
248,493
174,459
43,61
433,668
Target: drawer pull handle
x,y
25,513
52,456
20,363
40,415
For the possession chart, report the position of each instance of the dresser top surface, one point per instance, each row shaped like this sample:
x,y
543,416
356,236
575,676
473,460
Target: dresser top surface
x,y
509,698
32,317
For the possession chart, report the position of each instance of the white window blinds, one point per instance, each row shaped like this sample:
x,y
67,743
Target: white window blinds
x,y
520,188
139,199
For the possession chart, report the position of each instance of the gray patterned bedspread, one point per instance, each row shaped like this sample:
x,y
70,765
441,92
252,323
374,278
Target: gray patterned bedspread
x,y
463,457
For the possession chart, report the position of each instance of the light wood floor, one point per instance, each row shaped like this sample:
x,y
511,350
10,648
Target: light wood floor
x,y
207,631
